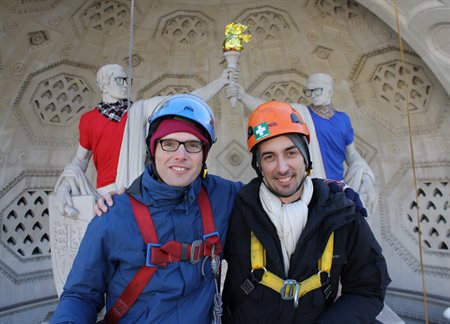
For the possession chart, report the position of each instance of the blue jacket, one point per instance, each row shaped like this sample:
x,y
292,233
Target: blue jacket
x,y
112,251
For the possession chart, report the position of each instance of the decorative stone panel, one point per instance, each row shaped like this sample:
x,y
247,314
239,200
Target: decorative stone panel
x,y
38,39
27,218
268,23
170,84
434,212
25,241
61,99
379,86
30,6
280,85
184,28
389,83
51,101
102,20
399,226
339,9
235,159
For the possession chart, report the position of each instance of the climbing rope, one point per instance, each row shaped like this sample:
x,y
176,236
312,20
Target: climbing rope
x,y
419,231
129,78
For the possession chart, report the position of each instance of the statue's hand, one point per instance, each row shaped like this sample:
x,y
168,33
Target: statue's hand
x,y
234,90
336,186
63,199
106,201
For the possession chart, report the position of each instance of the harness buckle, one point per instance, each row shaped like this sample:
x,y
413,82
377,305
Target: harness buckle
x,y
148,258
196,251
290,290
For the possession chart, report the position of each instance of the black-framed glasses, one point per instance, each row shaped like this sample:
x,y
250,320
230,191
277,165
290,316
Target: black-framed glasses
x,y
171,145
122,80
310,92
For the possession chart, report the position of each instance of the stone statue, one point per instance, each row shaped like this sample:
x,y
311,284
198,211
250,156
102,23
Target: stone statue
x,y
331,138
110,133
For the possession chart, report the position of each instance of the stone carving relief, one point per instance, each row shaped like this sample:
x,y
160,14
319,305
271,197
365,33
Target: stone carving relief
x,y
268,23
25,224
323,52
61,99
279,85
235,159
343,10
389,83
51,100
102,18
399,225
38,39
29,6
434,208
169,84
379,79
184,29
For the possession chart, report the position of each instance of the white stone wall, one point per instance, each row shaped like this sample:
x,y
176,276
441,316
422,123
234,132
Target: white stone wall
x,y
49,54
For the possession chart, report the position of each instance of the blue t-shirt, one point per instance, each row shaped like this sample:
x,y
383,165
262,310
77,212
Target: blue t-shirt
x,y
333,135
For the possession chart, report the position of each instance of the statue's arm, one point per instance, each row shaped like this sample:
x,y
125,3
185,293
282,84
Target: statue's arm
x,y
360,170
211,89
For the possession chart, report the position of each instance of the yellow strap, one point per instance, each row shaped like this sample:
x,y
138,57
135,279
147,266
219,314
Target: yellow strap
x,y
258,257
258,253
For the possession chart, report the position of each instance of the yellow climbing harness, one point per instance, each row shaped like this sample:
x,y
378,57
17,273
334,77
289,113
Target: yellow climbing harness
x,y
291,289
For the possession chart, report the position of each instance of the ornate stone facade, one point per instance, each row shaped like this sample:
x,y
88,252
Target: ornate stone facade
x,y
49,54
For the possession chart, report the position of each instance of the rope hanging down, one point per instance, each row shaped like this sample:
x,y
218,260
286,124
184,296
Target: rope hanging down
x,y
413,162
129,77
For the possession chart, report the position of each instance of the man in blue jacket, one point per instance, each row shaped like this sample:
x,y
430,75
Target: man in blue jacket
x,y
292,240
182,256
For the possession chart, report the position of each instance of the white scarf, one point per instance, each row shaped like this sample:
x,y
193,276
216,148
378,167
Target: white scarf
x,y
289,219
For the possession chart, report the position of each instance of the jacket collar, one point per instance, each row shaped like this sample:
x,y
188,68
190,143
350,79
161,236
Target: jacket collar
x,y
152,192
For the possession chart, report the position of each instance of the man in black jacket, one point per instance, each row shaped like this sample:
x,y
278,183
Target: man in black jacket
x,y
293,240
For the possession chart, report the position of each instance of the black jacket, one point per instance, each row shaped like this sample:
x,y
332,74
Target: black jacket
x,y
357,263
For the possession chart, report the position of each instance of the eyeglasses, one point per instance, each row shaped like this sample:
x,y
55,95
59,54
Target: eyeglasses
x,y
122,80
171,145
310,92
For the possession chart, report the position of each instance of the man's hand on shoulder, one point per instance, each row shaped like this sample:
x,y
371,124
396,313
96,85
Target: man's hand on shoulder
x,y
106,201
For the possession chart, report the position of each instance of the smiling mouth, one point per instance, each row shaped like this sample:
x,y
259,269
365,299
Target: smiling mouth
x,y
179,169
285,179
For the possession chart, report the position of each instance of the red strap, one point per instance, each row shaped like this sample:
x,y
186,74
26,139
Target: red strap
x,y
209,229
144,221
130,294
169,252
144,274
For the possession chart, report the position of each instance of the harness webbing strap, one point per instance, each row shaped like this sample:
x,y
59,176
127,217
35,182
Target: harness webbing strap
x,y
290,289
172,251
144,274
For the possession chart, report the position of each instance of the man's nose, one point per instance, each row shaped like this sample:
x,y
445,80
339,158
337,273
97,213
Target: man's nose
x,y
283,166
181,151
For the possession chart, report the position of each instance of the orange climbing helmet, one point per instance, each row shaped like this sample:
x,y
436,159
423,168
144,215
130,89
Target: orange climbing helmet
x,y
271,119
